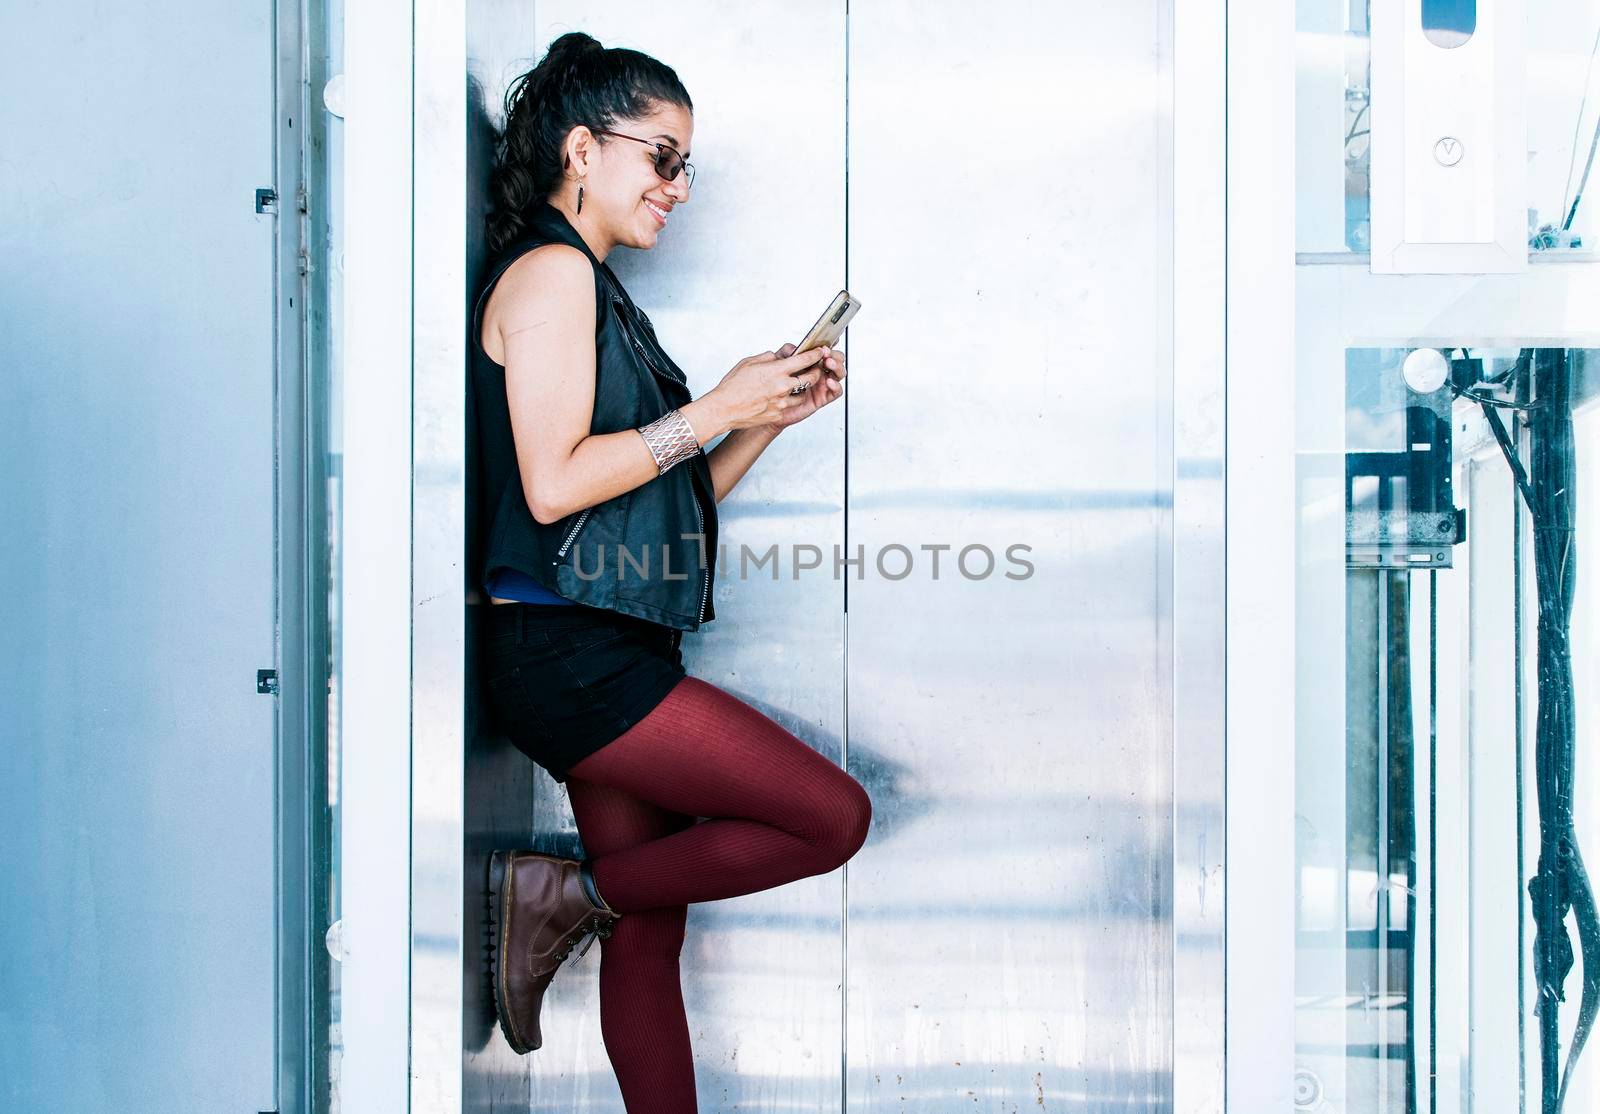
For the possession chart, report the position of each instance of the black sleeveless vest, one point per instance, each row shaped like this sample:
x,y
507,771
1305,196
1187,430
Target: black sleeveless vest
x,y
650,552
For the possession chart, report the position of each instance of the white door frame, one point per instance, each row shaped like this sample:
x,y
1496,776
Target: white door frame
x,y
1232,438
1260,555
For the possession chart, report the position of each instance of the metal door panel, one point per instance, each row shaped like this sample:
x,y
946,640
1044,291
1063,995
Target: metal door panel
x,y
744,266
137,456
1009,928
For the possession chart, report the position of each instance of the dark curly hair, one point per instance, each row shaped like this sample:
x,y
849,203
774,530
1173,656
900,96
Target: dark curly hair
x,y
578,81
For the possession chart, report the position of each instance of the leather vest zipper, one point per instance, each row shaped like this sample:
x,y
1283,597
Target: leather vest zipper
x,y
705,573
571,534
627,327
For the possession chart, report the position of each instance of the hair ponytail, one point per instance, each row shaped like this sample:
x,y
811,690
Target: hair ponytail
x,y
577,82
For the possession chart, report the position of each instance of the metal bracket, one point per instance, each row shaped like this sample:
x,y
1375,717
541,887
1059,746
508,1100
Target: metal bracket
x,y
267,682
267,202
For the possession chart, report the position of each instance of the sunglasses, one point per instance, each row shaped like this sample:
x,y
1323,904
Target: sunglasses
x,y
667,161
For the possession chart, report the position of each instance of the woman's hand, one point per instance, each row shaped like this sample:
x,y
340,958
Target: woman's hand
x,y
827,387
755,393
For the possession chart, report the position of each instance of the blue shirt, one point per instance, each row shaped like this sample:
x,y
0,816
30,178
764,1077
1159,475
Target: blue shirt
x,y
509,584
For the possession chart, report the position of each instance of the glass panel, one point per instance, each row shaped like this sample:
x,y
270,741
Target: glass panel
x,y
1420,813
1447,622
1333,113
1449,23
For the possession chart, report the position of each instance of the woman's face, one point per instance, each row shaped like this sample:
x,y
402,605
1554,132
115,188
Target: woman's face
x,y
632,203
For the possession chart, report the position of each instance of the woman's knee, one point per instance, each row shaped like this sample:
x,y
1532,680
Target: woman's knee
x,y
849,820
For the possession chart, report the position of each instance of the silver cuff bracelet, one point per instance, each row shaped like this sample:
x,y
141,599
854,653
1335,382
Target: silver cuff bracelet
x,y
671,439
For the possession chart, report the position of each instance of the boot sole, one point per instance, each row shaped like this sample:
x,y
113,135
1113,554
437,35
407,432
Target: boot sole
x,y
499,920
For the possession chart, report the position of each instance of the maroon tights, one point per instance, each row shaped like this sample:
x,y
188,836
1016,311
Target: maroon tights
x,y
778,811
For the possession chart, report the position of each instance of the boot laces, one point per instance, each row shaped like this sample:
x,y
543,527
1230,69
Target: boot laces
x,y
589,935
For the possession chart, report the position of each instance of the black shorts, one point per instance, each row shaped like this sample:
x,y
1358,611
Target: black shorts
x,y
564,680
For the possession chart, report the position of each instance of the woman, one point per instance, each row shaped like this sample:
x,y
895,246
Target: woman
x,y
592,463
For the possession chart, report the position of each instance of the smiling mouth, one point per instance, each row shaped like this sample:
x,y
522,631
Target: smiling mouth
x,y
659,213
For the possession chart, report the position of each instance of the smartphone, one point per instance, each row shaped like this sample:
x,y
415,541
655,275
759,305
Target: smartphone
x,y
831,325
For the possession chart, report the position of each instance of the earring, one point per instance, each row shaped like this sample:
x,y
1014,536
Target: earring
x,y
580,197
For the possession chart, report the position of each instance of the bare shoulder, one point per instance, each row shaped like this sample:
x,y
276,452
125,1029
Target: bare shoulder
x,y
551,283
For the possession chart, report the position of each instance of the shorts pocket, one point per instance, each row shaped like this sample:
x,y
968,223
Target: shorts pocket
x,y
514,712
570,645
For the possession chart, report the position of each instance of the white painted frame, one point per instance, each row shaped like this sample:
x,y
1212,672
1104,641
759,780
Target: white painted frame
x,y
404,591
1260,546
1422,95
375,875
1198,131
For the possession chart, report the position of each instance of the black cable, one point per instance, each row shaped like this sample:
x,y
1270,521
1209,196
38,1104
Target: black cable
x,y
1485,400
1510,452
1583,103
1515,372
1356,123
1561,883
1584,181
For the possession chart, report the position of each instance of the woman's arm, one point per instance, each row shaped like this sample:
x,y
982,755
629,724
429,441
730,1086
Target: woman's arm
x,y
731,459
542,313
540,318
739,450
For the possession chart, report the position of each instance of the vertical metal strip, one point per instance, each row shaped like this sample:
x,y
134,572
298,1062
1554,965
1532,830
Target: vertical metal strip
x,y
301,837
1382,842
1519,729
1194,112
438,603
1163,156
844,656
1433,843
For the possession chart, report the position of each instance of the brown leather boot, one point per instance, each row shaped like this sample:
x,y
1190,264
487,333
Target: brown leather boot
x,y
538,911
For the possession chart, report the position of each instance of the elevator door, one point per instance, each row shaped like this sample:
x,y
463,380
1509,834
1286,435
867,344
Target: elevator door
x,y
137,860
955,583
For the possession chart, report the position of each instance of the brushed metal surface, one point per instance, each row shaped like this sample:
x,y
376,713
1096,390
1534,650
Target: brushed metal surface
x,y
1196,121
442,861
1010,925
505,794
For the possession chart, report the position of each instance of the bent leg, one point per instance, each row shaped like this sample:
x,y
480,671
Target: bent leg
x,y
779,811
642,1018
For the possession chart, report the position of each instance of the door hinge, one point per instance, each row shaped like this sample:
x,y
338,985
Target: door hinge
x,y
267,681
267,202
